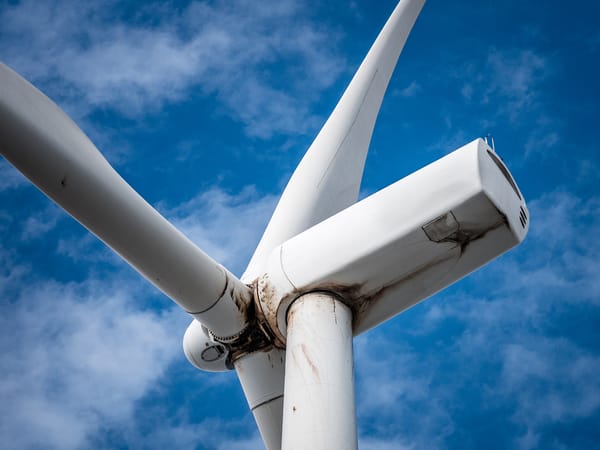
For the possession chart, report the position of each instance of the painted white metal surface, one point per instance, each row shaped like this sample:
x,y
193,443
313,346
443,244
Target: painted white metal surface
x,y
404,243
319,408
38,138
328,178
262,377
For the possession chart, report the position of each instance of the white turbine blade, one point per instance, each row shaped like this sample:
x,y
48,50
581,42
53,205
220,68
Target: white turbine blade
x,y
403,243
43,143
328,178
262,377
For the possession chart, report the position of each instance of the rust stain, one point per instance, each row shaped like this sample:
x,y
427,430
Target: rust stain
x,y
266,293
334,314
314,369
257,336
243,300
266,303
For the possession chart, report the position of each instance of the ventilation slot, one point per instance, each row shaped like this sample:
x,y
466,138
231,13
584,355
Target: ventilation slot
x,y
522,217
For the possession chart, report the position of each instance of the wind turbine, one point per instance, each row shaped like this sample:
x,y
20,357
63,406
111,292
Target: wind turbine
x,y
326,269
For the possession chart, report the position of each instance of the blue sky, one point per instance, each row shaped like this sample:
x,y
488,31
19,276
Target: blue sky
x,y
206,108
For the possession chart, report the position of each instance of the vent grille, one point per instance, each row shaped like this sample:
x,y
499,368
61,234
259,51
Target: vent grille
x,y
522,216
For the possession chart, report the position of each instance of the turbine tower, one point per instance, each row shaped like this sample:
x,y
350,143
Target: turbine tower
x,y
326,269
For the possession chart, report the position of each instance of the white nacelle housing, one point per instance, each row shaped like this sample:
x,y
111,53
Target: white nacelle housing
x,y
403,243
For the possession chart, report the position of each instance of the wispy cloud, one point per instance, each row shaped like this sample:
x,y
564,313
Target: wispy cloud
x,y
515,77
394,392
40,222
510,79
12,272
409,91
10,178
505,90
553,380
543,139
89,56
75,357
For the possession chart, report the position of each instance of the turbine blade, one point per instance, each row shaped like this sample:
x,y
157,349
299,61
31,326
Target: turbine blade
x,y
40,140
262,377
328,178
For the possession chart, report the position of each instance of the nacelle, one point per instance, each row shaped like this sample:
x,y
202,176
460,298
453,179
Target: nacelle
x,y
403,243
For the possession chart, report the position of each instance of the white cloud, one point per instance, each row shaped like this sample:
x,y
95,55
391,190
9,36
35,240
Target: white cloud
x,y
544,138
510,84
410,91
85,247
41,222
514,77
12,271
451,139
393,389
89,57
588,172
77,356
553,380
505,90
467,91
10,178
507,79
